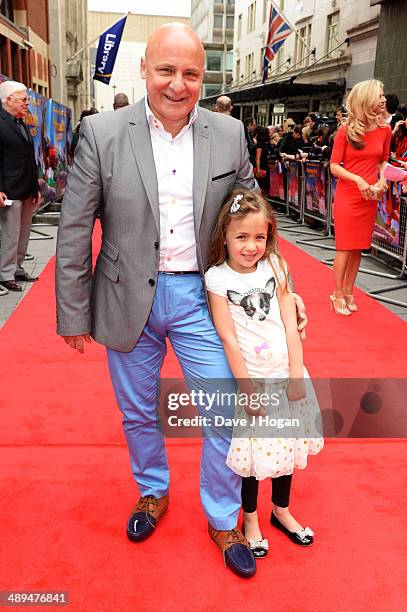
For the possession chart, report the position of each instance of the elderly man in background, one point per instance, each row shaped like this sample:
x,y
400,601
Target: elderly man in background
x,y
19,190
224,105
120,100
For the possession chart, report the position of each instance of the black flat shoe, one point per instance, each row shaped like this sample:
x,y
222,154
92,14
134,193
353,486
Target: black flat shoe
x,y
303,537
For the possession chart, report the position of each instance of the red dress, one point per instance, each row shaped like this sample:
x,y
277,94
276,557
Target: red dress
x,y
354,217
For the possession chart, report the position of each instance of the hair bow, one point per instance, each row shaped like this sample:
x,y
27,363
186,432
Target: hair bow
x,y
234,207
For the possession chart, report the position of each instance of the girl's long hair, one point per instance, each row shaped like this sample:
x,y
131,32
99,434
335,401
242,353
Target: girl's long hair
x,y
361,110
251,202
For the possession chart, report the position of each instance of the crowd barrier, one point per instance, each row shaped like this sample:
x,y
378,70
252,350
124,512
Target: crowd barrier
x,y
305,191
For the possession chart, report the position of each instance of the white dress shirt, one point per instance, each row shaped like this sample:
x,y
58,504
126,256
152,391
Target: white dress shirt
x,y
174,165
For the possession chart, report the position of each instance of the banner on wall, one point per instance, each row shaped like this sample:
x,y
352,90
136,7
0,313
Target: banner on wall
x,y
315,187
387,226
51,130
292,184
58,138
276,181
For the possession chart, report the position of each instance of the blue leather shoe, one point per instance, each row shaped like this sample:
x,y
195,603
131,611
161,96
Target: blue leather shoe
x,y
145,517
236,551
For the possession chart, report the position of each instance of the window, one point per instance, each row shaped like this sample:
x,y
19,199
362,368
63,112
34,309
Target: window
x,y
251,17
249,66
333,31
239,27
229,61
238,75
211,90
230,22
262,51
214,61
279,59
302,45
218,21
6,9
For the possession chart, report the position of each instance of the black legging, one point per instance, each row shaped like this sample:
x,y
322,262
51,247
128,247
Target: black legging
x,y
280,495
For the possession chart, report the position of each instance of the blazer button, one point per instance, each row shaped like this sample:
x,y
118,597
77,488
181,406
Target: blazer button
x,y
156,245
151,282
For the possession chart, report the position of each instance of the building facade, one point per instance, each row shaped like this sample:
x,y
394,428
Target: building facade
x,y
24,43
391,57
68,33
126,73
214,22
333,42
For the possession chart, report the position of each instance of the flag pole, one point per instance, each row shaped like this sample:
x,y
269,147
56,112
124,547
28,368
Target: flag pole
x,y
293,27
68,59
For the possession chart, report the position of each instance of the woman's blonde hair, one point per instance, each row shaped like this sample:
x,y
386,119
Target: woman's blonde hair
x,y
249,203
361,111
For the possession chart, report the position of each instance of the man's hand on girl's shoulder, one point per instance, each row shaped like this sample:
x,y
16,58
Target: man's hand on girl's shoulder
x,y
302,318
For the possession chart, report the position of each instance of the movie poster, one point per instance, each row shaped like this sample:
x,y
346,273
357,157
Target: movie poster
x,y
315,187
292,185
51,130
58,138
276,191
387,226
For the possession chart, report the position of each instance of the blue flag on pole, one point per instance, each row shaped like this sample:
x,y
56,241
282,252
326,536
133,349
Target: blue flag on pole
x,y
108,47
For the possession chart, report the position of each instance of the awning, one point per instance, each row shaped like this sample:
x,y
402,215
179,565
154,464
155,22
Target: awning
x,y
280,91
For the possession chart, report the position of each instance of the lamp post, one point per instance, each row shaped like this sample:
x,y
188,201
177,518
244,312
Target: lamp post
x,y
225,49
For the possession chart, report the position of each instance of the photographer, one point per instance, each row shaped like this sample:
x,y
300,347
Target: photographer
x,y
398,145
291,143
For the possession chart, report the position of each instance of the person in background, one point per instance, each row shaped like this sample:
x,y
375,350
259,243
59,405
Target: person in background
x,y
288,125
250,129
362,145
399,138
19,188
75,138
224,105
291,143
392,103
120,100
340,115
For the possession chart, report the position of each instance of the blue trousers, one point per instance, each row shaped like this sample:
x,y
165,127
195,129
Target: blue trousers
x,y
179,312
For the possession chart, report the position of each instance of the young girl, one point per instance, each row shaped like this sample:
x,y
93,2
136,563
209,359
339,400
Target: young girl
x,y
255,316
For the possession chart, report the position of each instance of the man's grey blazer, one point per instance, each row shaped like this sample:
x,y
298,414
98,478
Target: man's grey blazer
x,y
114,173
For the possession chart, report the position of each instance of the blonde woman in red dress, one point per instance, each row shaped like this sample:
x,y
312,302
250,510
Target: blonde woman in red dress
x,y
361,149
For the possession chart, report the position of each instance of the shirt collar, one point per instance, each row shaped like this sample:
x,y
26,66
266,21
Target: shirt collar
x,y
156,123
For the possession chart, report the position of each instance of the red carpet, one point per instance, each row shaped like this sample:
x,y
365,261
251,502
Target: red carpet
x,y
66,488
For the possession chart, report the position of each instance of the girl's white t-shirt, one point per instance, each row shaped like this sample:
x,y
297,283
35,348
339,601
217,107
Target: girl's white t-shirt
x,y
254,307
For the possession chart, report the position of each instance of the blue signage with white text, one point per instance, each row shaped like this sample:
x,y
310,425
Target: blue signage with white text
x,y
108,47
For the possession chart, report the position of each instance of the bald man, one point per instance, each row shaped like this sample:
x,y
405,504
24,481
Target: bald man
x,y
120,100
224,105
158,178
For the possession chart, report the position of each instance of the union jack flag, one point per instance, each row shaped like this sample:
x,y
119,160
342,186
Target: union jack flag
x,y
279,30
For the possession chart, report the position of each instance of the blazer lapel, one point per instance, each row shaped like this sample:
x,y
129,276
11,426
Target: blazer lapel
x,y
140,140
10,121
202,141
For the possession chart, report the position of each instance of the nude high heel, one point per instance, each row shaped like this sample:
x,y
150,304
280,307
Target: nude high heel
x,y
339,305
350,303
